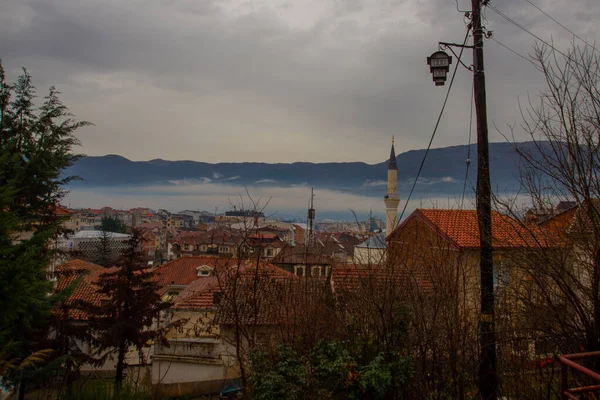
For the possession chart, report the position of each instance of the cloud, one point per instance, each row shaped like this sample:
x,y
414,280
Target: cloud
x,y
448,179
375,183
231,80
232,178
279,201
217,175
189,181
265,181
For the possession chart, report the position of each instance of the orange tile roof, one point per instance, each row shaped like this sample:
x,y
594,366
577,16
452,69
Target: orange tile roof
x,y
86,290
198,295
462,229
182,271
61,211
350,278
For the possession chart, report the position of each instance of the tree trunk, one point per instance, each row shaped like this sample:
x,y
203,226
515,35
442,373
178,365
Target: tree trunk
x,y
120,366
21,393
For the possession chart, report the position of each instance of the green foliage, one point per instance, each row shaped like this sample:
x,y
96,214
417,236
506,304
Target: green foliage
x,y
127,319
35,147
112,224
328,371
283,376
102,390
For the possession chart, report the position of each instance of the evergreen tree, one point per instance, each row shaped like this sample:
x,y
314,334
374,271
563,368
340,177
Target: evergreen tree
x,y
103,252
112,224
35,148
130,316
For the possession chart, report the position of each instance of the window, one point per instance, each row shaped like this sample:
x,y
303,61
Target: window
x,y
223,249
186,246
203,247
204,270
501,273
300,270
269,252
315,270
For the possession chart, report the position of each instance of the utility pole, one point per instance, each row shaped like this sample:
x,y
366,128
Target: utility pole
x,y
488,378
311,218
439,63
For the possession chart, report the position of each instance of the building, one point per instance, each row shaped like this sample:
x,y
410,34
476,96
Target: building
x,y
371,251
301,260
201,357
216,242
392,198
443,246
87,245
81,278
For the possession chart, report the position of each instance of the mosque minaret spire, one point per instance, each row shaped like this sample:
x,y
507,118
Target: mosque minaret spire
x,y
392,198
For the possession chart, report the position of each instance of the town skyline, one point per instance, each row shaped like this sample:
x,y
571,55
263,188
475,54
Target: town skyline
x,y
270,81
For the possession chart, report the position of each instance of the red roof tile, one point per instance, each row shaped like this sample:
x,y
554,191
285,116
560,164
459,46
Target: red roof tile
x,y
198,295
351,278
86,289
461,228
182,271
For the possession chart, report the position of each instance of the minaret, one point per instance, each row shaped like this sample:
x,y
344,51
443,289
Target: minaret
x,y
392,198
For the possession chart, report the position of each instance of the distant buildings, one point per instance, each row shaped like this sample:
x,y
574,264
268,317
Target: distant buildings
x,y
88,245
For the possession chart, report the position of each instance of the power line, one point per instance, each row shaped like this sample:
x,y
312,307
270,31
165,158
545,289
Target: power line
x,y
562,26
512,21
437,124
468,160
518,54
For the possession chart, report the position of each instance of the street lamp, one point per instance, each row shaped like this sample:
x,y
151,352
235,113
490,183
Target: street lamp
x,y
439,65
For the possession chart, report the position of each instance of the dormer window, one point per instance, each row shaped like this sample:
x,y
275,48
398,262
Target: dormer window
x,y
204,270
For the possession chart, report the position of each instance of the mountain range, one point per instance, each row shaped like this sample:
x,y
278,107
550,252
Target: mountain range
x,y
443,171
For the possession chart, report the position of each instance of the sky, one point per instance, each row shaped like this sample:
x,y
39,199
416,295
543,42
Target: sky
x,y
275,80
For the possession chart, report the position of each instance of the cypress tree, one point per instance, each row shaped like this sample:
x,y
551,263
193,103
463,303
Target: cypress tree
x,y
36,146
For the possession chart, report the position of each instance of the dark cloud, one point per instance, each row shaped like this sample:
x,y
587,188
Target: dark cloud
x,y
271,80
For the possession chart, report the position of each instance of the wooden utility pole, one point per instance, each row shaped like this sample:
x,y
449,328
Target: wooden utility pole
x,y
488,378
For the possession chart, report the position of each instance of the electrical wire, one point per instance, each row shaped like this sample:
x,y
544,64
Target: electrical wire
x,y
515,23
512,21
468,160
437,124
518,54
563,26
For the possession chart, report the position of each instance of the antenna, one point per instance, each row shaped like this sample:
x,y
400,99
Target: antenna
x,y
311,218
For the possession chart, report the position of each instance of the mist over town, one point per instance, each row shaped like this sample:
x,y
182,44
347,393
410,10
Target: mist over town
x,y
264,199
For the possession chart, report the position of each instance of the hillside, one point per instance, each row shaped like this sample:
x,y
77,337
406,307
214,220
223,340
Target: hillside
x,y
443,172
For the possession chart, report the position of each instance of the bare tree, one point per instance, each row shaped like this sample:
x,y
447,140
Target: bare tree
x,y
557,307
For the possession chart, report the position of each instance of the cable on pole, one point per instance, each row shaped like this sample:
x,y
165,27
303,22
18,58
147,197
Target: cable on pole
x,y
518,54
468,160
563,26
512,21
437,124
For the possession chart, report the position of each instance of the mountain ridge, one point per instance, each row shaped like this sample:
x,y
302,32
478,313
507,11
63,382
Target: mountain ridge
x,y
444,171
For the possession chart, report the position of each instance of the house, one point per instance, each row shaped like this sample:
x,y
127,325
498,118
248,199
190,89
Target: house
x,y
85,275
372,251
267,243
216,242
444,245
87,245
201,357
174,276
302,260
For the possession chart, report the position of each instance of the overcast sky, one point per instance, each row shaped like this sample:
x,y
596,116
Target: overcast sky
x,y
272,80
